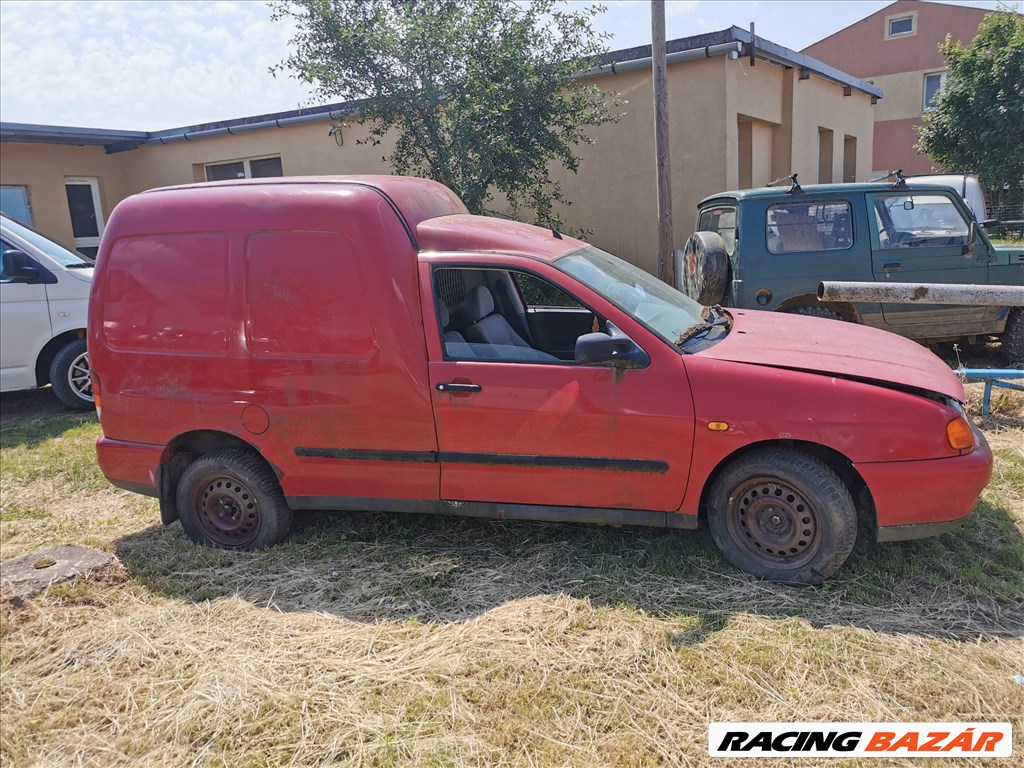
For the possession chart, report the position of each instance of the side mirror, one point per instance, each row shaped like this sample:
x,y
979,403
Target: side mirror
x,y
18,266
613,347
972,235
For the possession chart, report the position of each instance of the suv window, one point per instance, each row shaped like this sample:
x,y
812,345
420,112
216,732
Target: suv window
x,y
801,227
722,221
906,221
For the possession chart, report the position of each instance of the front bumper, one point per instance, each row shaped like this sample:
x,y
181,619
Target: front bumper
x,y
916,499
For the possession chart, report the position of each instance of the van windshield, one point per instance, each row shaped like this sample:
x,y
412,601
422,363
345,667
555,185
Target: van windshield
x,y
55,251
667,312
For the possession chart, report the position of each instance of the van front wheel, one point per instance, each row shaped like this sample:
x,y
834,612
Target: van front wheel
x,y
783,515
231,499
69,377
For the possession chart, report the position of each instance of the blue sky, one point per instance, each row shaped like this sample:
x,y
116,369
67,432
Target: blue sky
x,y
154,65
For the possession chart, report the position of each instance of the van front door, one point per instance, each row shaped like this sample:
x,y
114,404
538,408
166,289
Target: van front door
x,y
24,327
524,427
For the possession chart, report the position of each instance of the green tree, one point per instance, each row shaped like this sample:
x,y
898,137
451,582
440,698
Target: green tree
x,y
479,93
977,122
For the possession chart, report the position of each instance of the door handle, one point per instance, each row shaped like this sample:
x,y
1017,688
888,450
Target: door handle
x,y
450,387
892,266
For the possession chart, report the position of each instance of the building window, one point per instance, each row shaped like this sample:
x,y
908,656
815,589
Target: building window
x,y
259,168
903,25
933,85
14,203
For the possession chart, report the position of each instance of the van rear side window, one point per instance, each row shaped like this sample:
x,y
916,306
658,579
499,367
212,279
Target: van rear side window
x,y
306,297
167,294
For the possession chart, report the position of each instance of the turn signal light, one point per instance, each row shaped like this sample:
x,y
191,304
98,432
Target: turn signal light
x,y
718,426
959,434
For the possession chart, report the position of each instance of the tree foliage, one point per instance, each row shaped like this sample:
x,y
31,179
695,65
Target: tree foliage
x,y
977,122
479,94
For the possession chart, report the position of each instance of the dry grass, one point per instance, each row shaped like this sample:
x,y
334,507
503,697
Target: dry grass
x,y
387,640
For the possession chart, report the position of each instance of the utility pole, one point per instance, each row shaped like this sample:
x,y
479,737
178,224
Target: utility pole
x,y
666,267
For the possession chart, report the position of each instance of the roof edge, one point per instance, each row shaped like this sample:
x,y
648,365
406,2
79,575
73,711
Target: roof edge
x,y
118,141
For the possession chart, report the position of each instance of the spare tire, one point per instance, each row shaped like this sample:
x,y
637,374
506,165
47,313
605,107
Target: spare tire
x,y
704,272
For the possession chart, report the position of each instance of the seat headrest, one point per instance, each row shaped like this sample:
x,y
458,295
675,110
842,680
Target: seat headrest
x,y
479,303
442,312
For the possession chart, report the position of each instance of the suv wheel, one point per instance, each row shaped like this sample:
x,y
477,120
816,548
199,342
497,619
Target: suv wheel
x,y
1012,337
705,268
812,311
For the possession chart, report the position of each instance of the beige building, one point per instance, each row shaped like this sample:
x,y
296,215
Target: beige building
x,y
740,117
897,49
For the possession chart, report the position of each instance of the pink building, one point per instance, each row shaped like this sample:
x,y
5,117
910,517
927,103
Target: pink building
x,y
897,49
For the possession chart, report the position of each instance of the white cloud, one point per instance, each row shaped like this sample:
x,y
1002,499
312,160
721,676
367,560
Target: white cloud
x,y
677,8
143,66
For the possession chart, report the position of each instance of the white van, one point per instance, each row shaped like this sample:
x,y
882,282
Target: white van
x,y
967,187
44,300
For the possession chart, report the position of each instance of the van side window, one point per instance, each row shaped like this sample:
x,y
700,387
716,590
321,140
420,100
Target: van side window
x,y
507,316
540,293
799,227
721,220
4,248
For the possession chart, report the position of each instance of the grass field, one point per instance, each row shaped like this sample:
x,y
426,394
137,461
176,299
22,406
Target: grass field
x,y
387,640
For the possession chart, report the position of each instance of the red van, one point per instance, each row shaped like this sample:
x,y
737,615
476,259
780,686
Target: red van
x,y
364,343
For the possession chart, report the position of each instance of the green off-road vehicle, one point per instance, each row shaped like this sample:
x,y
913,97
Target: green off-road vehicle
x,y
769,249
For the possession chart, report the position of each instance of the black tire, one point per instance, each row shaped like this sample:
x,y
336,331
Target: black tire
x,y
1012,337
231,499
783,515
811,310
705,268
69,377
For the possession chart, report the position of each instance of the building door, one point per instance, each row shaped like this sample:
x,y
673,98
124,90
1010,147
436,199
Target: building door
x,y
86,214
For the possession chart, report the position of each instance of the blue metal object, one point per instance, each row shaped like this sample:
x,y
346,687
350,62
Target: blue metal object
x,y
993,377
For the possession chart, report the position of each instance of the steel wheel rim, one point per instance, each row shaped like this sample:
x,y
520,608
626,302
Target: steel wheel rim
x,y
226,511
78,377
773,522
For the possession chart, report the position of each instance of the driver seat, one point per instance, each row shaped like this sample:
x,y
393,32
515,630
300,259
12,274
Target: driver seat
x,y
490,327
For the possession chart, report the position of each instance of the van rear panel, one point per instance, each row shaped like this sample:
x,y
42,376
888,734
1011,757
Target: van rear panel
x,y
278,315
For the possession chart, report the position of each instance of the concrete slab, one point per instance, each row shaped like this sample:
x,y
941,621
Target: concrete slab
x,y
32,573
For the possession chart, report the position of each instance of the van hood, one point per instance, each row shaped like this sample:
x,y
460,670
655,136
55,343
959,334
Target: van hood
x,y
833,348
84,274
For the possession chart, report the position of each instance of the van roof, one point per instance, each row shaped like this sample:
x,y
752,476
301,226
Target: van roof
x,y
414,199
434,216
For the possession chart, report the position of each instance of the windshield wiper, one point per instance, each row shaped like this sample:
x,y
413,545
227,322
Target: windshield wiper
x,y
715,315
692,332
712,317
80,265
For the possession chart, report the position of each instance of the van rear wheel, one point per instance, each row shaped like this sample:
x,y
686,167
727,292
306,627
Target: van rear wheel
x,y
231,499
783,515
